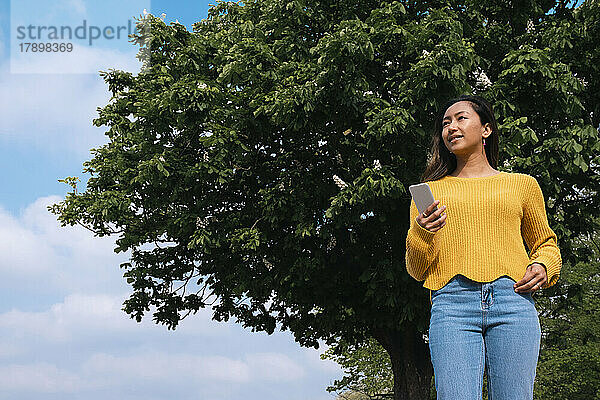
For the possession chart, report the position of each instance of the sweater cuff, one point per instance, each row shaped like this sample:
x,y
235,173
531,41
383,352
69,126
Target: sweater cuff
x,y
423,234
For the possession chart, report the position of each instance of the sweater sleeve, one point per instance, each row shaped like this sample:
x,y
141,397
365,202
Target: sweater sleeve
x,y
539,237
419,247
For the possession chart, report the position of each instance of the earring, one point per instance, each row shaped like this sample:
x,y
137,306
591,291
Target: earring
x,y
484,141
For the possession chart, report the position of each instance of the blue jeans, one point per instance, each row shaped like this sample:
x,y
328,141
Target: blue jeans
x,y
475,325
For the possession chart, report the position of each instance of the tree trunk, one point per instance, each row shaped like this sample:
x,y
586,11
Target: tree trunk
x,y
411,362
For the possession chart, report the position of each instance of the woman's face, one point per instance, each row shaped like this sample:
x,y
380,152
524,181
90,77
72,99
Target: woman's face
x,y
462,121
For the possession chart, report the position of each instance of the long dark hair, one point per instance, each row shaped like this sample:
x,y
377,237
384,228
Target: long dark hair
x,y
441,160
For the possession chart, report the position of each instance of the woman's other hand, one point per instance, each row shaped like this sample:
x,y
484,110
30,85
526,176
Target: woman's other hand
x,y
432,221
534,278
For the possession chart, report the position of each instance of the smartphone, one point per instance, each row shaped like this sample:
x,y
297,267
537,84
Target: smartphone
x,y
422,196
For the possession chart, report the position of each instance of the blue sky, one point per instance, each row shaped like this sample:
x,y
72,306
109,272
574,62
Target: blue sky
x,y
62,333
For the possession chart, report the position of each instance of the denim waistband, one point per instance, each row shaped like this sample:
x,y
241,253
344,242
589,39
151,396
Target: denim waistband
x,y
503,282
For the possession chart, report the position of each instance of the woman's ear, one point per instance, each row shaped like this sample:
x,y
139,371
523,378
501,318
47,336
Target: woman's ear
x,y
488,128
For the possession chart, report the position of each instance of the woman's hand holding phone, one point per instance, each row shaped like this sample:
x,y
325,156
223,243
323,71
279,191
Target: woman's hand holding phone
x,y
433,221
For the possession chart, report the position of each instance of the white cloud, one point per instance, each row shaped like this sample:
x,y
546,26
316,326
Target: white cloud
x,y
85,317
273,366
76,316
39,221
103,370
174,367
166,367
35,248
21,253
39,378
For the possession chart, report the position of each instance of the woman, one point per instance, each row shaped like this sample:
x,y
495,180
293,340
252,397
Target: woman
x,y
470,253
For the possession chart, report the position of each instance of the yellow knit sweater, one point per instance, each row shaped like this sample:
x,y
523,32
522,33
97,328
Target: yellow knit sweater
x,y
487,220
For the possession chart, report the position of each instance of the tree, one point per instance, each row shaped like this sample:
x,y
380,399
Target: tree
x,y
367,370
223,149
351,395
